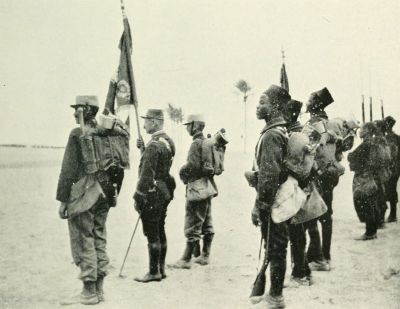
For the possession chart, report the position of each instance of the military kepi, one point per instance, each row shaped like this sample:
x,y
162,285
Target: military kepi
x,y
193,118
154,114
319,100
83,100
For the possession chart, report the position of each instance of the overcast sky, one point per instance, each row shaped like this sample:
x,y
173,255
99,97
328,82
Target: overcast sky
x,y
191,53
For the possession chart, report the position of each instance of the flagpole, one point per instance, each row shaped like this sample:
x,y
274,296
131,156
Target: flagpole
x,y
370,109
363,109
130,68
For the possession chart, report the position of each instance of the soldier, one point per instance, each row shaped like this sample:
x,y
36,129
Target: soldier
x,y
391,189
154,191
87,229
382,153
198,218
327,175
301,273
270,171
365,190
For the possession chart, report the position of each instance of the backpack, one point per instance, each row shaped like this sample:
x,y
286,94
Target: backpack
x,y
213,153
301,150
105,154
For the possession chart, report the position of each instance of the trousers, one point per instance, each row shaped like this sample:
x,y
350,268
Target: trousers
x,y
198,220
88,237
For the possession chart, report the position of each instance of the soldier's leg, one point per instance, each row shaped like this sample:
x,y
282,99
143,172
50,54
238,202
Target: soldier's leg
x,y
278,240
393,198
163,241
84,255
194,218
314,252
208,234
100,212
326,225
298,241
150,221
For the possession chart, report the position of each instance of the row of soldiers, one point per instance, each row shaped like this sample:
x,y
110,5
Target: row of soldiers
x,y
310,154
87,192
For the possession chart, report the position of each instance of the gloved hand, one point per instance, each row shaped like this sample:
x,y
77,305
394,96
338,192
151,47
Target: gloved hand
x,y
140,143
255,216
62,211
140,201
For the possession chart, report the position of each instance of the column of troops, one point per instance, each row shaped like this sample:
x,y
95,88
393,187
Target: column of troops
x,y
295,170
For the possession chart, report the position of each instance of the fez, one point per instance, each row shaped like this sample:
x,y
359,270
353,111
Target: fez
x,y
389,122
319,100
154,114
84,100
194,118
278,95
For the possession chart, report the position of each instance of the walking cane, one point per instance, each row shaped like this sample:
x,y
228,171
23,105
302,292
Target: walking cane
x,y
127,250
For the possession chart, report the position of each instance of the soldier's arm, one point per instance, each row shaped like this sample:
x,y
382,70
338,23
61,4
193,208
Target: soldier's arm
x,y
71,165
193,166
270,168
147,171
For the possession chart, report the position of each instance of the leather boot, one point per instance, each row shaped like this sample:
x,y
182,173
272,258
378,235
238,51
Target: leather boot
x,y
154,262
99,288
393,212
88,296
185,261
196,249
204,259
163,254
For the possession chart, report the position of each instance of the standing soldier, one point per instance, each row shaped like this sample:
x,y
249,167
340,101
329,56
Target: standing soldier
x,y
391,189
198,219
365,190
270,173
86,212
154,191
327,175
301,273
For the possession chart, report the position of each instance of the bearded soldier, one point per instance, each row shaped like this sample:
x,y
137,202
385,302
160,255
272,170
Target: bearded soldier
x,y
271,173
391,189
86,195
154,191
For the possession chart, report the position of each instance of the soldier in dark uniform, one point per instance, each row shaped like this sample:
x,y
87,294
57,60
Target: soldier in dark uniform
x,y
301,273
87,229
271,173
326,176
198,218
382,153
154,191
365,190
391,189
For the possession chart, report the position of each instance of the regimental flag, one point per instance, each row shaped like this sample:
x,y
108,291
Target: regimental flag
x,y
284,78
122,88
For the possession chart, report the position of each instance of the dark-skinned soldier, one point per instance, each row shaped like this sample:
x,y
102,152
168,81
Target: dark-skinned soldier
x,y
271,173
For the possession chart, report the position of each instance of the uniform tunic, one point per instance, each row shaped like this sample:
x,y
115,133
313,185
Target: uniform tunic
x,y
154,185
198,217
270,153
87,230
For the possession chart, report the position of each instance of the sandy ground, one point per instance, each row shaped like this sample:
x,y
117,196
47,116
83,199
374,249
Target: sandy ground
x,y
36,268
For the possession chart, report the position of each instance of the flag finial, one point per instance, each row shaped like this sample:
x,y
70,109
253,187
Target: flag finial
x,y
283,54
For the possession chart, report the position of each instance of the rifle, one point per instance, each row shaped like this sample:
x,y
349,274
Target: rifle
x,y
259,284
